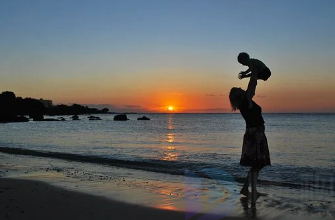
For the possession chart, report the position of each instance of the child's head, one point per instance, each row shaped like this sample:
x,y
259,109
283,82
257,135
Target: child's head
x,y
243,58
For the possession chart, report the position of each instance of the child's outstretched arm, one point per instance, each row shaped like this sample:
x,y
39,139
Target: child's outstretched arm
x,y
247,71
244,75
250,70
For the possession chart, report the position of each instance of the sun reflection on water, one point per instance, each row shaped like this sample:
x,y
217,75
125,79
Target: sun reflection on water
x,y
170,156
170,137
169,152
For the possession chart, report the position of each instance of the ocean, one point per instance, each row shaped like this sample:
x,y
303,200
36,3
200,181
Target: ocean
x,y
301,147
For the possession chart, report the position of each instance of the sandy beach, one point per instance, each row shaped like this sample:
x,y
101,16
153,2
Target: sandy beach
x,y
26,199
29,199
33,189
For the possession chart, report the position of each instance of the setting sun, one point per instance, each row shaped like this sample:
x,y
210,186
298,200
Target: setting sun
x,y
170,108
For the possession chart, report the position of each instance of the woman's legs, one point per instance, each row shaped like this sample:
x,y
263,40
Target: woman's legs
x,y
244,190
255,182
251,178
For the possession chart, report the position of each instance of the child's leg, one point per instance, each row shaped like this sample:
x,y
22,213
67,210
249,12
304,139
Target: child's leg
x,y
264,74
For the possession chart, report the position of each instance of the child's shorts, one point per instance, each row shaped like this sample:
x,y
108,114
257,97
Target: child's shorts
x,y
264,74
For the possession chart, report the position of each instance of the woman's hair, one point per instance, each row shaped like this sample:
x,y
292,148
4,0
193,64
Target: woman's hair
x,y
242,57
236,95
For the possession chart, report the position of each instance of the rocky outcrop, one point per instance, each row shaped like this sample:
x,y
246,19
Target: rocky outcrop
x,y
121,117
143,118
37,117
75,117
93,118
12,118
50,119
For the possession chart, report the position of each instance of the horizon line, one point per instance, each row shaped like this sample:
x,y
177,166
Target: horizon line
x,y
216,113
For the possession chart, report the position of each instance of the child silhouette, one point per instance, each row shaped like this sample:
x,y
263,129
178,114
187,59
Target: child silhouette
x,y
256,67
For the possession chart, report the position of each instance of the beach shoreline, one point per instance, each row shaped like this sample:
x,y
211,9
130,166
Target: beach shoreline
x,y
31,199
28,199
59,189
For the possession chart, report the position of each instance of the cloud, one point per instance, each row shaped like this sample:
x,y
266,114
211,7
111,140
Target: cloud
x,y
213,95
117,108
132,106
208,110
176,94
215,109
99,106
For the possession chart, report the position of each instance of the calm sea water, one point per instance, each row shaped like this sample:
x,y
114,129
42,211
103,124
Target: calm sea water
x,y
302,146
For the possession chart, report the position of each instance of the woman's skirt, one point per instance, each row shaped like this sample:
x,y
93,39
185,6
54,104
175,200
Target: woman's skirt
x,y
255,150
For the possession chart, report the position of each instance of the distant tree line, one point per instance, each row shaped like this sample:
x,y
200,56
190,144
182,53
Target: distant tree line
x,y
74,109
13,109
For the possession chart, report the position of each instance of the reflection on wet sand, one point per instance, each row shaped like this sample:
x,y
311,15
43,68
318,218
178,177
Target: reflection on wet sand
x,y
249,212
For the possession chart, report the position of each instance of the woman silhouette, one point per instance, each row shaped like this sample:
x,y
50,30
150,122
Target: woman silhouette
x,y
255,151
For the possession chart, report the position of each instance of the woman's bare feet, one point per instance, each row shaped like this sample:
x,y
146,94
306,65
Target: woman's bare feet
x,y
245,192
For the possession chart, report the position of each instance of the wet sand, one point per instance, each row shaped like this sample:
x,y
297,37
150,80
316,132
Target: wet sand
x,y
26,199
33,188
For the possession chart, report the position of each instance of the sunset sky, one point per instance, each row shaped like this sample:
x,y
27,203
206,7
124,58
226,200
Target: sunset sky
x,y
147,55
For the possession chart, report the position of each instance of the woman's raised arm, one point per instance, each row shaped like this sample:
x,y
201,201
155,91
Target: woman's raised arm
x,y
251,90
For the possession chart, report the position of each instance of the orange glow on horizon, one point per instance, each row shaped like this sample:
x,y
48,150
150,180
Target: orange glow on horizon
x,y
276,95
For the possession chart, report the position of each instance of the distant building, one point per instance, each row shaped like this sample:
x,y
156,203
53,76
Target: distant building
x,y
46,103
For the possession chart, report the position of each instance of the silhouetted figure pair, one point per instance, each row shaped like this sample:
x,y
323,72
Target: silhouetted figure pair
x,y
255,151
